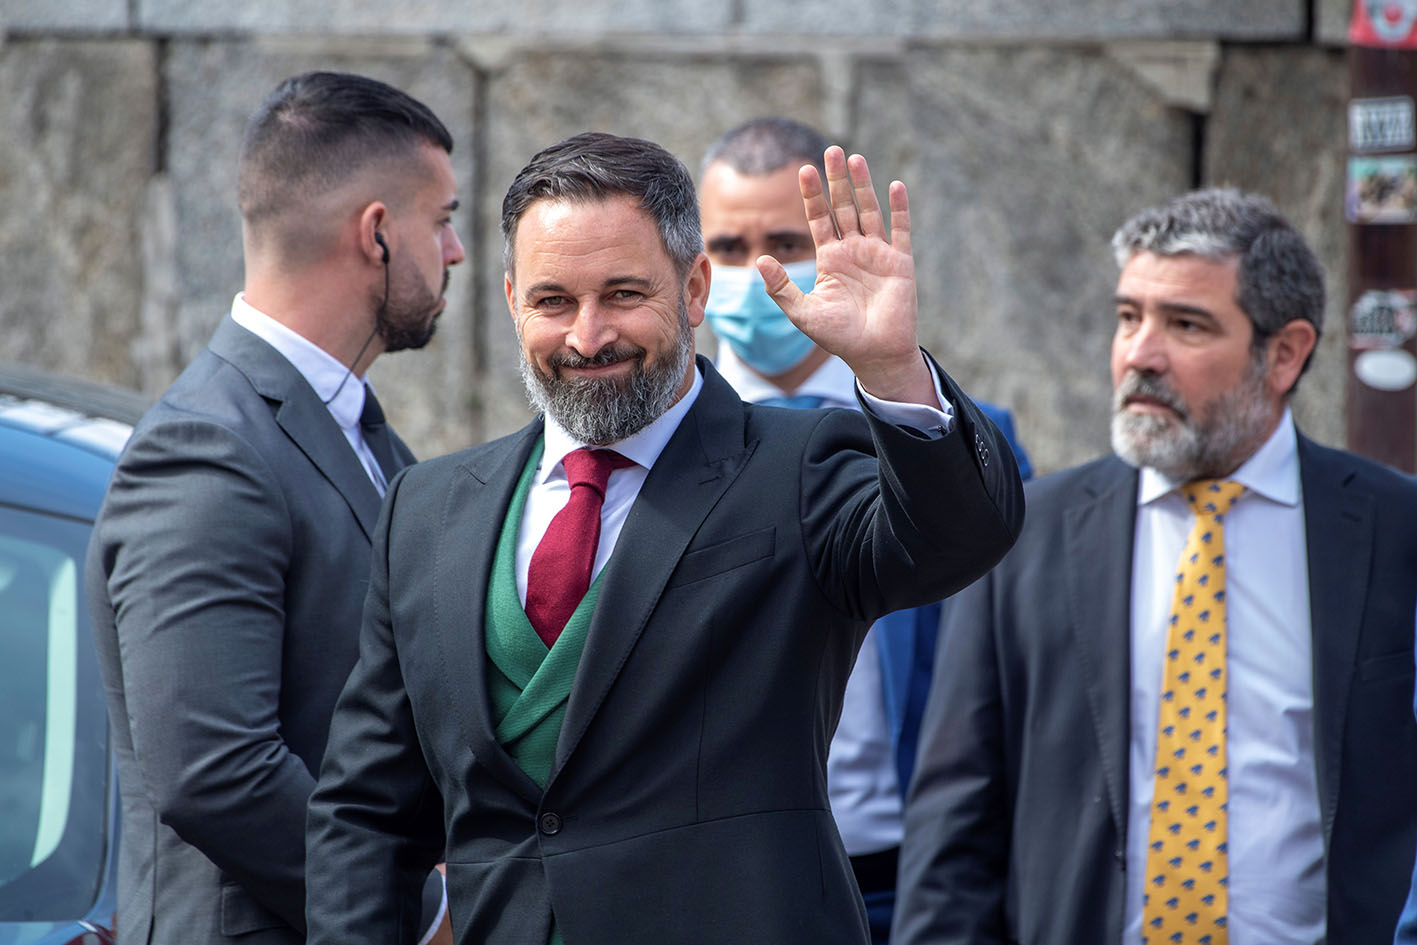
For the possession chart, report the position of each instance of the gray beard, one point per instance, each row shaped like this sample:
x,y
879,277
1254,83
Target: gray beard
x,y
1187,447
602,411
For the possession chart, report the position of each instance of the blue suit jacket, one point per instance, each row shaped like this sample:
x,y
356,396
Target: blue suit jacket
x,y
906,640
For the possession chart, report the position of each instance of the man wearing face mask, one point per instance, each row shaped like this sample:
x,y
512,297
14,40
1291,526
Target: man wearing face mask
x,y
750,206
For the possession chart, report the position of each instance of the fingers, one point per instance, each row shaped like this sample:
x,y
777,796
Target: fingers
x,y
847,203
839,186
814,199
867,207
900,216
782,289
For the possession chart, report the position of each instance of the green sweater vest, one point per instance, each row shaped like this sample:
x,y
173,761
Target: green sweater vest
x,y
529,685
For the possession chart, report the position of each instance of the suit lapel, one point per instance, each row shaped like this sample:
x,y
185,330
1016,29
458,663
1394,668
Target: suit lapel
x,y
1338,533
700,462
301,415
1099,532
470,523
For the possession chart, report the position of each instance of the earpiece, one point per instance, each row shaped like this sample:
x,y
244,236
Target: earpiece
x,y
379,238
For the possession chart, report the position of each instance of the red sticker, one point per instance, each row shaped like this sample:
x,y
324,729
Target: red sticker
x,y
1390,24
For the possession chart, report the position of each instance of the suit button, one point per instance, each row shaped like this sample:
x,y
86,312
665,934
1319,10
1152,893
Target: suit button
x,y
550,823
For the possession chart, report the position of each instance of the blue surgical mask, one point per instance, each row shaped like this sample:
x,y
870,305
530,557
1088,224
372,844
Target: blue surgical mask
x,y
742,314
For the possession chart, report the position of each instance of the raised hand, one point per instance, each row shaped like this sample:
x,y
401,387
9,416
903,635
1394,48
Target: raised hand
x,y
863,306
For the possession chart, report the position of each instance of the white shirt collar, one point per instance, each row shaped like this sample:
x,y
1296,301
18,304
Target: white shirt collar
x,y
320,369
1272,471
828,382
643,447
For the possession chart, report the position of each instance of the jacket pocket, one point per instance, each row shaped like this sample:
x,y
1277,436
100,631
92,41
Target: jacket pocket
x,y
1392,666
724,556
241,913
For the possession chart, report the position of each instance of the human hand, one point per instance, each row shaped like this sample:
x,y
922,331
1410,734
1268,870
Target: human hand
x,y
863,306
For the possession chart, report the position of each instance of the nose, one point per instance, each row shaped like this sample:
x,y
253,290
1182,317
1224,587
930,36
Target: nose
x,y
1144,348
590,331
452,249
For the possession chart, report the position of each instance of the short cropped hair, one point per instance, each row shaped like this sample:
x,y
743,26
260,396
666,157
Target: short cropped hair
x,y
598,166
317,129
764,145
1279,280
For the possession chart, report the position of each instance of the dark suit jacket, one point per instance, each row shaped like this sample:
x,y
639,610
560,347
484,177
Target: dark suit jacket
x,y
687,802
226,578
1016,825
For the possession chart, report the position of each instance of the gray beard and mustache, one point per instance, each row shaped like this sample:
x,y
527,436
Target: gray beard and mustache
x,y
1207,445
605,410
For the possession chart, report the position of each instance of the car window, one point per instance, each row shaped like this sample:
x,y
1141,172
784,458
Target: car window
x,y
53,734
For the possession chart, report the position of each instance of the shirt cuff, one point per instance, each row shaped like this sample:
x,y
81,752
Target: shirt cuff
x,y
932,423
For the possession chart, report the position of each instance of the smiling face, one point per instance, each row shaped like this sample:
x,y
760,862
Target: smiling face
x,y
1192,396
605,322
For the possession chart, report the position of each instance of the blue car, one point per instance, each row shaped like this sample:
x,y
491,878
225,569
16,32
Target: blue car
x,y
58,798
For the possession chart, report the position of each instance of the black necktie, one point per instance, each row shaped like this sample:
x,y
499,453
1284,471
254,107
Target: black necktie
x,y
376,434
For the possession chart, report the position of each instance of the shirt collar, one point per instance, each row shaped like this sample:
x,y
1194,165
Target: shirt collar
x,y
1272,471
341,392
827,382
643,447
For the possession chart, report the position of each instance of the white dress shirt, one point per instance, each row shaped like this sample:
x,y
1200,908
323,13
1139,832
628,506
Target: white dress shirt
x,y
341,392
862,783
1277,889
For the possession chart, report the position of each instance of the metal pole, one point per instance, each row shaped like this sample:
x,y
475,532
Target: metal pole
x,y
1381,209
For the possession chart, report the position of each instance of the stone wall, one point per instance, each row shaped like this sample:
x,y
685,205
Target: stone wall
x,y
1026,132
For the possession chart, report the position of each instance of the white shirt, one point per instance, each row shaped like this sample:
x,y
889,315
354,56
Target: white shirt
x,y
342,393
862,784
1277,888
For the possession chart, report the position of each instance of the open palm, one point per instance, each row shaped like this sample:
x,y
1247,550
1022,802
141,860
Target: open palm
x,y
863,306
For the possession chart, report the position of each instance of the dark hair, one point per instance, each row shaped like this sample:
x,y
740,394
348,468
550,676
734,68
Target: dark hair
x,y
596,166
1279,279
316,129
764,145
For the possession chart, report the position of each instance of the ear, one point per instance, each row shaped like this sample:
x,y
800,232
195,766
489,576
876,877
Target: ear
x,y
1286,351
696,289
371,221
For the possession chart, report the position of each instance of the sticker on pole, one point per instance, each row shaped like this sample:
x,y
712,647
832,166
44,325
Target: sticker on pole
x,y
1389,369
1383,318
1381,124
1385,23
1382,189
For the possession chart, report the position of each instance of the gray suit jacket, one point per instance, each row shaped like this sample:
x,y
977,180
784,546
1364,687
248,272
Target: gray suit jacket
x,y
226,577
687,802
1017,818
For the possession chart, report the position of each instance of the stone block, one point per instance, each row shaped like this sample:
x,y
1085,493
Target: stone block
x,y
1253,141
78,128
34,16
212,89
681,102
1017,184
1331,21
435,17
1108,19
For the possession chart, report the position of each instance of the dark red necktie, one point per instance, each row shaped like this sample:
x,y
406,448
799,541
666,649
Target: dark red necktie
x,y
559,573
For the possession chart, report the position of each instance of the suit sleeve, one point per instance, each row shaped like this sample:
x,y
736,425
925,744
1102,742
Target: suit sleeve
x,y
196,545
375,822
924,520
954,857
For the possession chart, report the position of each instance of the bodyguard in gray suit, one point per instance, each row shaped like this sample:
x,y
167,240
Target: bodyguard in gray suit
x,y
230,561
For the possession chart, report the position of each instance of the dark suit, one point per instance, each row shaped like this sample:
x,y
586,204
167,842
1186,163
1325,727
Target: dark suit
x,y
226,577
1016,826
687,802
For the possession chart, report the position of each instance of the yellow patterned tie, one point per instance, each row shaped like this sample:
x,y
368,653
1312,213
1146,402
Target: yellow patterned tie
x,y
1186,893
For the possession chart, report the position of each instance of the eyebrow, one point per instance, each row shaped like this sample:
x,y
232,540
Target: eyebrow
x,y
1171,308
612,283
